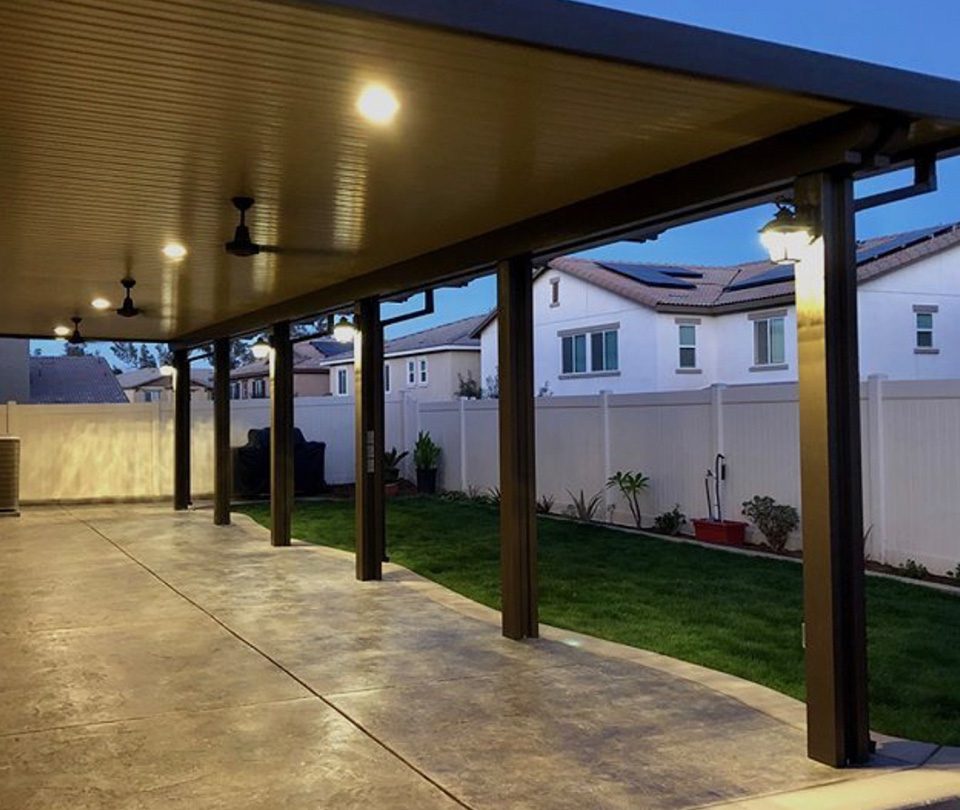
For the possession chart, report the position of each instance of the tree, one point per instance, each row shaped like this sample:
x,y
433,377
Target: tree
x,y
75,350
146,358
240,353
126,352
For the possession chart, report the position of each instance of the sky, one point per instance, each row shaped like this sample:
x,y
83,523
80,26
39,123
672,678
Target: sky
x,y
920,36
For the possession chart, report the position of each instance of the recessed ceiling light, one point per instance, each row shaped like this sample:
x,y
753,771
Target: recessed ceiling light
x,y
61,331
378,104
100,303
174,250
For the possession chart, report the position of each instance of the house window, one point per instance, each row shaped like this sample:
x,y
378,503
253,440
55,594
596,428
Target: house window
x,y
341,382
234,390
259,389
423,371
555,292
687,337
924,329
768,341
151,395
603,355
386,378
411,372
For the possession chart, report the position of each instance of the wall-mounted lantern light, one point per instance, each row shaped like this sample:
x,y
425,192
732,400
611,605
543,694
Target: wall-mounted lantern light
x,y
261,348
343,330
785,236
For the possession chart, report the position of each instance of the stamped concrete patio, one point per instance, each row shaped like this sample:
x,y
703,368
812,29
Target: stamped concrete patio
x,y
149,659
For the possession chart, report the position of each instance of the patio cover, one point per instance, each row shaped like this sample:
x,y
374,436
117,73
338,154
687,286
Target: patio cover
x,y
524,126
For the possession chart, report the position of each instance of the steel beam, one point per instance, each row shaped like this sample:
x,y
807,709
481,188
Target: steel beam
x,y
518,526
181,430
833,549
281,435
369,427
223,478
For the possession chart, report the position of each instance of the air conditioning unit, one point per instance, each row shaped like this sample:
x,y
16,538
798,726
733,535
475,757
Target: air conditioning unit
x,y
9,475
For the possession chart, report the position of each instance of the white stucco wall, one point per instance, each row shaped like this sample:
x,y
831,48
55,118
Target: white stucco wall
x,y
443,370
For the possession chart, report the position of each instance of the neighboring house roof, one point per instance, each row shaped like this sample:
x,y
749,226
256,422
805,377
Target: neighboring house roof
x,y
715,290
308,358
456,335
73,380
139,377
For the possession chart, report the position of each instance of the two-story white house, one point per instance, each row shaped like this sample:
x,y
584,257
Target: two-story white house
x,y
624,327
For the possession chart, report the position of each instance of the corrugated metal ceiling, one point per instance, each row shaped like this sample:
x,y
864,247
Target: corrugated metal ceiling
x,y
131,123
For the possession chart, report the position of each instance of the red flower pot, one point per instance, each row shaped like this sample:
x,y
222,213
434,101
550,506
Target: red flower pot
x,y
721,532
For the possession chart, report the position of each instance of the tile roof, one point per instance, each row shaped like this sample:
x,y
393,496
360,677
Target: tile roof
x,y
73,380
458,333
716,289
309,357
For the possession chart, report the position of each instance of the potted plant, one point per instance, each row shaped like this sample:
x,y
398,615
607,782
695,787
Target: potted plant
x,y
774,520
391,470
714,529
426,455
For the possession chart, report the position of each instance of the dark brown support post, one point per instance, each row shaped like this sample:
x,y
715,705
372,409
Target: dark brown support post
x,y
833,562
518,526
223,479
281,435
369,427
181,430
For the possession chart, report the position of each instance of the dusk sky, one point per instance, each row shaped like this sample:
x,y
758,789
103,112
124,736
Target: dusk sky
x,y
917,36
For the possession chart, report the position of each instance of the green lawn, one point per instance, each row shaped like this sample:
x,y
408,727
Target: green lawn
x,y
729,612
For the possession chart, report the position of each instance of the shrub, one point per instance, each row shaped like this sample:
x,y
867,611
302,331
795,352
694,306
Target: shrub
x,y
630,484
914,570
391,464
583,508
774,520
426,453
545,504
468,388
670,522
492,496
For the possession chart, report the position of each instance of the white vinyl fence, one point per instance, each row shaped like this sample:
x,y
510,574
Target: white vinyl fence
x,y
911,451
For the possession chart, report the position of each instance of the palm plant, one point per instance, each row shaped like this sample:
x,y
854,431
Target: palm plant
x,y
630,484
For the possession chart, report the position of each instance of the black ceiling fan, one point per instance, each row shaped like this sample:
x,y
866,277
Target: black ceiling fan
x,y
242,243
76,339
127,308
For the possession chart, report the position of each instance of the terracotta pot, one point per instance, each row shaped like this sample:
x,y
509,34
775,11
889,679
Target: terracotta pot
x,y
721,532
391,489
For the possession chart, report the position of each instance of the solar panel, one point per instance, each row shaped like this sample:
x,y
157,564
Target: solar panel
x,y
782,272
653,276
897,242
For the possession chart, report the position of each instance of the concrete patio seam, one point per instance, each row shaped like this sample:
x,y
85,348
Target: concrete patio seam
x,y
363,730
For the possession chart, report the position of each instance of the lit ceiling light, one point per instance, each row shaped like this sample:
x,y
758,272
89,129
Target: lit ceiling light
x,y
174,250
343,330
167,370
785,236
100,303
261,349
61,331
378,104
